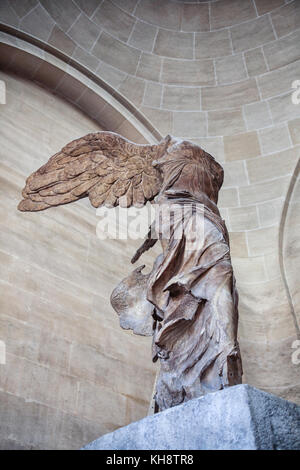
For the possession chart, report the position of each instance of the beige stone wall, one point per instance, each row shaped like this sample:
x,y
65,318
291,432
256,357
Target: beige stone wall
x,y
71,373
291,247
219,73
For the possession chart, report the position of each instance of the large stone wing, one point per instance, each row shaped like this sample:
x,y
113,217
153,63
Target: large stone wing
x,y
104,166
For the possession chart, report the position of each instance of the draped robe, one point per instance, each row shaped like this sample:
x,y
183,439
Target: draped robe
x,y
191,289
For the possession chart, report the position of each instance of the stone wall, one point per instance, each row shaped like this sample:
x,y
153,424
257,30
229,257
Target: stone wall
x,y
71,373
221,74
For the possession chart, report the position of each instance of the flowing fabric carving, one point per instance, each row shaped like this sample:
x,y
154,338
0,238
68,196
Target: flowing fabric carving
x,y
189,301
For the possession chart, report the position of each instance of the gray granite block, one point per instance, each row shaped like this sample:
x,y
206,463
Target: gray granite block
x,y
240,417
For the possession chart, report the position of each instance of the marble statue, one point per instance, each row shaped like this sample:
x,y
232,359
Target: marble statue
x,y
189,301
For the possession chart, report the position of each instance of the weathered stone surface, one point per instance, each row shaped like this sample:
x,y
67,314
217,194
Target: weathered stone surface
x,y
237,418
114,171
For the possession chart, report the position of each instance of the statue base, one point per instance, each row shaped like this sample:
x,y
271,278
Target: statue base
x,y
236,418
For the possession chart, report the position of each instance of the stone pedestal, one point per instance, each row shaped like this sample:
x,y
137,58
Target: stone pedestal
x,y
239,417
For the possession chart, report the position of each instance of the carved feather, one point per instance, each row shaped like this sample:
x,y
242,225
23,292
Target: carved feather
x,y
104,166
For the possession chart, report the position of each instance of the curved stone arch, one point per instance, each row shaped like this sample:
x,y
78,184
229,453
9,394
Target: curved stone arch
x,y
31,58
286,223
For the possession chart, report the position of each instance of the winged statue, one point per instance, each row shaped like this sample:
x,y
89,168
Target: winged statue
x,y
189,301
